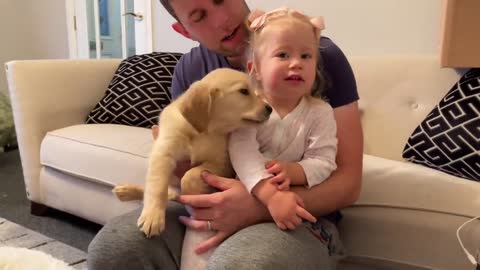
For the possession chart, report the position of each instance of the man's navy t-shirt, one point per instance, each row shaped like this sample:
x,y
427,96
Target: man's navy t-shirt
x,y
342,90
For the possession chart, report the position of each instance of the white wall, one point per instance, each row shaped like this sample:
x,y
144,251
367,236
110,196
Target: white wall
x,y
13,34
164,38
359,27
32,29
49,28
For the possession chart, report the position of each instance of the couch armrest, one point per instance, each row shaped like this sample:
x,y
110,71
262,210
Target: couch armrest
x,y
51,94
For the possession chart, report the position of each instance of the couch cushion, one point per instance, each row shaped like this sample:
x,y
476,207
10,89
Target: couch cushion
x,y
104,153
405,203
448,139
138,92
400,184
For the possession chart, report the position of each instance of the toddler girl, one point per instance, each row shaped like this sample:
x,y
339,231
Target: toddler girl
x,y
298,144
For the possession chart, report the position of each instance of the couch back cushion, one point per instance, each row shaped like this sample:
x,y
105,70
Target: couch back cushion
x,y
396,93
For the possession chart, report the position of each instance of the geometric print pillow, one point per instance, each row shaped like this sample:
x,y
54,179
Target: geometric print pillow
x,y
138,92
449,138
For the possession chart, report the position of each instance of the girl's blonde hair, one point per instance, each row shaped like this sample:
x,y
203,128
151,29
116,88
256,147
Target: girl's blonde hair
x,y
258,20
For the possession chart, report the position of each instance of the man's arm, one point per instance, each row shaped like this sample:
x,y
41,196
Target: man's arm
x,y
189,69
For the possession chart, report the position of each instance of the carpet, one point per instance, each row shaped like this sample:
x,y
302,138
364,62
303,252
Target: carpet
x,y
14,235
15,207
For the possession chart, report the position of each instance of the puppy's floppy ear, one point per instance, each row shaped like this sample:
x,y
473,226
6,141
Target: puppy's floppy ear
x,y
259,93
198,104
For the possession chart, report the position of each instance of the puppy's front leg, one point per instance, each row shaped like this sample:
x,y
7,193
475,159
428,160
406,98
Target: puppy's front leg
x,y
160,169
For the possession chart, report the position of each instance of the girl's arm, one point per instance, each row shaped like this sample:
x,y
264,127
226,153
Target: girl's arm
x,y
249,164
247,161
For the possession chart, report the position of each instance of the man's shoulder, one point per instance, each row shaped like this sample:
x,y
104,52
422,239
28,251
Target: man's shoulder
x,y
341,87
198,56
193,56
328,48
193,66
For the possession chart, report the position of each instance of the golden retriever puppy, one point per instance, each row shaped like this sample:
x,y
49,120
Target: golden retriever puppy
x,y
195,127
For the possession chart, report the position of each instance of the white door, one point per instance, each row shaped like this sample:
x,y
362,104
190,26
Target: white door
x,y
109,28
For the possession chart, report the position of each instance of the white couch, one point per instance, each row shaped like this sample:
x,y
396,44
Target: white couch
x,y
406,216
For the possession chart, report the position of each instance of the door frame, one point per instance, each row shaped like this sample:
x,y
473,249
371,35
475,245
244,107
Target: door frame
x,y
77,28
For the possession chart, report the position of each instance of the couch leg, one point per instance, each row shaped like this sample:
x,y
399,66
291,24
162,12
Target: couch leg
x,y
38,209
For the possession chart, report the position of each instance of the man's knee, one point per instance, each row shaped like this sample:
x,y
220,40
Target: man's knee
x,y
121,245
264,246
113,244
248,249
101,255
243,261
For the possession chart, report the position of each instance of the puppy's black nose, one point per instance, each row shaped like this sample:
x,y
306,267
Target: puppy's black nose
x,y
268,108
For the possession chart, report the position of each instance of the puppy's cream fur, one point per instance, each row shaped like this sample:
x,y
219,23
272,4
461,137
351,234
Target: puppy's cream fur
x,y
195,127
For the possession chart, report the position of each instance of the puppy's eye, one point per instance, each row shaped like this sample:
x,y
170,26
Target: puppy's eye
x,y
244,92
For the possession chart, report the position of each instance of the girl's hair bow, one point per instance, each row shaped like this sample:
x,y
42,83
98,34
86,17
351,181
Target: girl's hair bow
x,y
257,18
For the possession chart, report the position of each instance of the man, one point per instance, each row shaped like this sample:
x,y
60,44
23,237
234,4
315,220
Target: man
x,y
218,25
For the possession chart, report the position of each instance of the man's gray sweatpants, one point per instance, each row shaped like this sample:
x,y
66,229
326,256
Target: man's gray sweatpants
x,y
121,245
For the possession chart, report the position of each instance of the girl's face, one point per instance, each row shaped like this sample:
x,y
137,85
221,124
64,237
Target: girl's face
x,y
286,61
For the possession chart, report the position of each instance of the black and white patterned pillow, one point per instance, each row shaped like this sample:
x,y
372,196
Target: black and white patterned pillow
x,y
138,92
449,138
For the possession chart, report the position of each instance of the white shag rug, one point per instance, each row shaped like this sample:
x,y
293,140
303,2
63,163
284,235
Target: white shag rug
x,y
13,258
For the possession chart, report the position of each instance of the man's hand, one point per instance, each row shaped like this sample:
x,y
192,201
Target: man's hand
x,y
226,210
287,210
155,132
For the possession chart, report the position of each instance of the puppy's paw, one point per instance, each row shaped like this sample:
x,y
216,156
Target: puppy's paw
x,y
151,221
128,193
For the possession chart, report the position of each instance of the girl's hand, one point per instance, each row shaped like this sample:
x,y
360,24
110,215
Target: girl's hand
x,y
280,170
287,210
229,210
